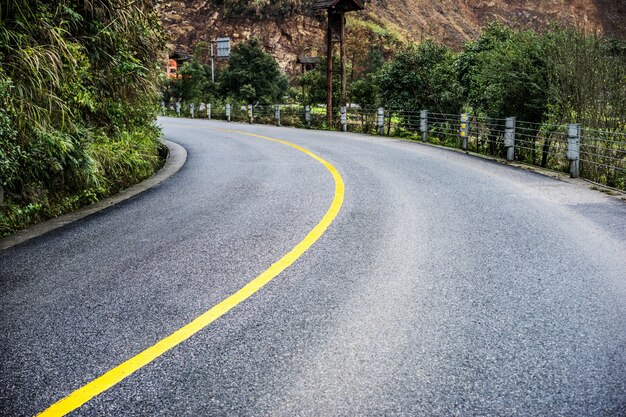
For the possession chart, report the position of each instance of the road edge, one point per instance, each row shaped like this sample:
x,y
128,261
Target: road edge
x,y
176,158
611,192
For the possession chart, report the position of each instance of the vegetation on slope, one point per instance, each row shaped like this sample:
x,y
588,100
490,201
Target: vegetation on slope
x,y
78,82
544,79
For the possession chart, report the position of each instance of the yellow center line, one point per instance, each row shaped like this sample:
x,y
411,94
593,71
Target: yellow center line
x,y
123,370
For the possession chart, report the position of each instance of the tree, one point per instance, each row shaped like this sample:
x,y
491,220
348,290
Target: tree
x,y
314,83
250,66
421,77
194,85
504,73
364,92
593,94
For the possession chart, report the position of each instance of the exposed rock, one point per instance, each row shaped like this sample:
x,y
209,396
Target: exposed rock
x,y
449,21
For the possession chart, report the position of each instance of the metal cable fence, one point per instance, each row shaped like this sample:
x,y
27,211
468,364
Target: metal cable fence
x,y
603,156
595,154
543,145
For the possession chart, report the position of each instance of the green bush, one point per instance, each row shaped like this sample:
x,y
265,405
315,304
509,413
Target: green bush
x,y
504,73
253,75
76,79
421,77
586,78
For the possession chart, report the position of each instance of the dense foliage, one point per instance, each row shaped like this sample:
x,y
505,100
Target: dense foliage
x,y
504,73
561,75
252,75
195,83
421,77
586,79
557,76
78,82
313,83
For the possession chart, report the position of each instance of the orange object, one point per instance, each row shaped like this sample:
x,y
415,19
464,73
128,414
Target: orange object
x,y
171,69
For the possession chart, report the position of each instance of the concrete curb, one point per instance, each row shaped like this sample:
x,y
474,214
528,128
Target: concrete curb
x,y
175,160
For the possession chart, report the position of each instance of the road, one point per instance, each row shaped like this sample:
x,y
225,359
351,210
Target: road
x,y
446,285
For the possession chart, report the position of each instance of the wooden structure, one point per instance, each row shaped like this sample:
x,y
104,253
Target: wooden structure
x,y
308,63
336,32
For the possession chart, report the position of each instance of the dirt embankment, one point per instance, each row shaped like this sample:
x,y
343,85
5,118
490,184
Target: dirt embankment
x,y
449,21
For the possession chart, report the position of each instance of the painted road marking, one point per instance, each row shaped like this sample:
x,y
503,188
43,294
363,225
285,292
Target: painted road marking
x,y
125,369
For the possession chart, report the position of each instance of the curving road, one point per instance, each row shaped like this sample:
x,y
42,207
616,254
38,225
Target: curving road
x,y
447,285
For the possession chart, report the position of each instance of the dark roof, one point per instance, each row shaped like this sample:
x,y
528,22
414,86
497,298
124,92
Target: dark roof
x,y
180,56
308,60
345,5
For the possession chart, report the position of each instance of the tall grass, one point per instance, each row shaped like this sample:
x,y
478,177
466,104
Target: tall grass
x,y
78,79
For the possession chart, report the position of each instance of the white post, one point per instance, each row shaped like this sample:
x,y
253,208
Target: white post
x,y
573,149
228,112
250,113
344,119
277,114
424,125
509,138
307,116
208,111
381,121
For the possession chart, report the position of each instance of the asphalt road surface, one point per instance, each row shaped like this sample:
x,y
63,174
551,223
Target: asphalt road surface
x,y
447,286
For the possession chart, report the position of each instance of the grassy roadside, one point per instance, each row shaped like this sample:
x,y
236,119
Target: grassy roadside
x,y
114,166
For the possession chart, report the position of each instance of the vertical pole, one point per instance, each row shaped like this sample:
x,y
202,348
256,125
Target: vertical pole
x,y
228,112
381,121
573,149
208,111
329,72
167,65
277,114
303,72
250,114
307,116
342,58
424,125
192,108
212,63
178,108
509,138
344,119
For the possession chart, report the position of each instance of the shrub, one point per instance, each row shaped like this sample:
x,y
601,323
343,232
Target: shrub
x,y
251,67
504,73
74,76
421,77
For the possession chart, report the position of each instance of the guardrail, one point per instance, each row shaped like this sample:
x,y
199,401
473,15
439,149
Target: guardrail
x,y
595,154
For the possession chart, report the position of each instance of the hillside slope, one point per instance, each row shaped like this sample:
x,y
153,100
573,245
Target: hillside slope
x,y
286,34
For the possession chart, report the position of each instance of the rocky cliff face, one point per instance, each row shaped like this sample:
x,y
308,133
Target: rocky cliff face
x,y
449,21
